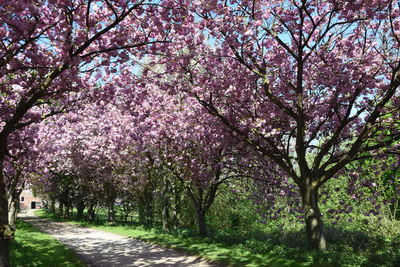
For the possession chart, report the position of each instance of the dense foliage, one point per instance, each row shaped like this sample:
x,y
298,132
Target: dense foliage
x,y
156,108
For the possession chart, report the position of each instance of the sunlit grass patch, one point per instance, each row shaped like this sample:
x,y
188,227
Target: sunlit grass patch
x,y
34,248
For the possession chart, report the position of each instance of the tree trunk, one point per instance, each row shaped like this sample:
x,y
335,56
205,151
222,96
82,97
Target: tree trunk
x,y
61,209
12,211
126,211
111,212
200,211
53,205
312,216
91,212
166,220
80,207
149,212
13,193
6,232
176,208
142,217
202,223
67,213
146,208
202,203
126,215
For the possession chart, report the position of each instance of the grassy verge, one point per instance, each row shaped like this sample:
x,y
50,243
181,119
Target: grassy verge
x,y
273,247
34,248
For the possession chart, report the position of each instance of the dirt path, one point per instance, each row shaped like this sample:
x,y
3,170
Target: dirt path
x,y
103,249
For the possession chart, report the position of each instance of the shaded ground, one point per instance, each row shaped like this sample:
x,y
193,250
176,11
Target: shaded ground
x,y
101,249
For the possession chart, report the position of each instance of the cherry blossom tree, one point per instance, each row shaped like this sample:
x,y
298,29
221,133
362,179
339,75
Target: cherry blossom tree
x,y
49,52
307,84
200,155
86,152
181,137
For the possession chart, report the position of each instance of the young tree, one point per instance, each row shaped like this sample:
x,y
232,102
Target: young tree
x,y
305,83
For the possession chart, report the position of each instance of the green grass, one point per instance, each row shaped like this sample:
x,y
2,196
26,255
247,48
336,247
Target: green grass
x,y
273,246
34,248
